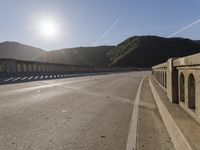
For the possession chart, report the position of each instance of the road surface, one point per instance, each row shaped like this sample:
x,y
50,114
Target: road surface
x,y
83,113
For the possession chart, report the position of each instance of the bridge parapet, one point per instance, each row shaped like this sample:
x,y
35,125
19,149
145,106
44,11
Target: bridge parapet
x,y
16,67
13,67
183,82
160,72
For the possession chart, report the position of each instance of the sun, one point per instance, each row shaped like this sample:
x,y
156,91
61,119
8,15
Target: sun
x,y
48,28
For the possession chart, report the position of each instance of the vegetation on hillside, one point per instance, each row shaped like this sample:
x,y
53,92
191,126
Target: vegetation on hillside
x,y
137,51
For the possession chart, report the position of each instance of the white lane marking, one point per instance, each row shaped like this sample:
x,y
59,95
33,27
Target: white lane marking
x,y
49,84
30,78
16,79
8,79
132,135
24,78
36,77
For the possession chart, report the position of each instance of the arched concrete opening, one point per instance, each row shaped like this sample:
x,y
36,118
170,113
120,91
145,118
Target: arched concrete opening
x,y
39,68
191,91
24,68
29,68
34,68
1,67
182,89
19,68
165,79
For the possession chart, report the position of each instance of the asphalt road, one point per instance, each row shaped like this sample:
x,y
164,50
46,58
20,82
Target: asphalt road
x,y
83,113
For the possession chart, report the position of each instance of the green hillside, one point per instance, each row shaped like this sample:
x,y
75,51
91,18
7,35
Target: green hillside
x,y
146,51
137,51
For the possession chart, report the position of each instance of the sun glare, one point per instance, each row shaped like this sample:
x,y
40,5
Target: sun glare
x,y
48,28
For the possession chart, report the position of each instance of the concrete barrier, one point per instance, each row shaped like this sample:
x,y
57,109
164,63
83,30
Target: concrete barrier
x,y
13,67
181,78
178,138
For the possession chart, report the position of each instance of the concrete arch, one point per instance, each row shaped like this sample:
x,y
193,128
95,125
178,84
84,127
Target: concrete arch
x,y
34,68
19,68
29,67
165,79
191,92
1,67
25,68
38,68
182,88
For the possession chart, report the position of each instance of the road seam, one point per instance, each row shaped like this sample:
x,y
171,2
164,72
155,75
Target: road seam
x,y
180,142
132,135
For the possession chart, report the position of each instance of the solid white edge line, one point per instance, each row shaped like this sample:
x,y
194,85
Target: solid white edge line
x,y
132,135
178,139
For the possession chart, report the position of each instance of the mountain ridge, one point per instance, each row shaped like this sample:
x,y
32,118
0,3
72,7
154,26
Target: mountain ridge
x,y
152,49
136,51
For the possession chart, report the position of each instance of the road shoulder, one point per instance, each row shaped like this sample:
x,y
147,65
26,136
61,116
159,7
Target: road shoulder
x,y
152,133
183,129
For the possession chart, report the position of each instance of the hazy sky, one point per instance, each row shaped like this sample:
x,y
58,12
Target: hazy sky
x,y
97,22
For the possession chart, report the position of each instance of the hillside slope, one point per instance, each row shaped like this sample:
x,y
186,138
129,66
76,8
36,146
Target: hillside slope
x,y
19,51
94,56
137,51
146,51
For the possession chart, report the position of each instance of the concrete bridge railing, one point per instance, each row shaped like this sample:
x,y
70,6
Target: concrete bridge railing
x,y
181,79
13,67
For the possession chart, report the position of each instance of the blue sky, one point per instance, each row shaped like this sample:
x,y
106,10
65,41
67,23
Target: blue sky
x,y
97,22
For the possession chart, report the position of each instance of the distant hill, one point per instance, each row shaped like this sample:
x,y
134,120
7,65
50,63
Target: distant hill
x,y
198,41
137,51
19,51
146,51
94,56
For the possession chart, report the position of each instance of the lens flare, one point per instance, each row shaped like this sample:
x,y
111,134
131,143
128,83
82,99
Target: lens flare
x,y
48,28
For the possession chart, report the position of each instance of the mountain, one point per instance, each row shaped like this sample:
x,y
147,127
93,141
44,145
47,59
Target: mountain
x,y
146,51
19,51
94,56
198,41
137,51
